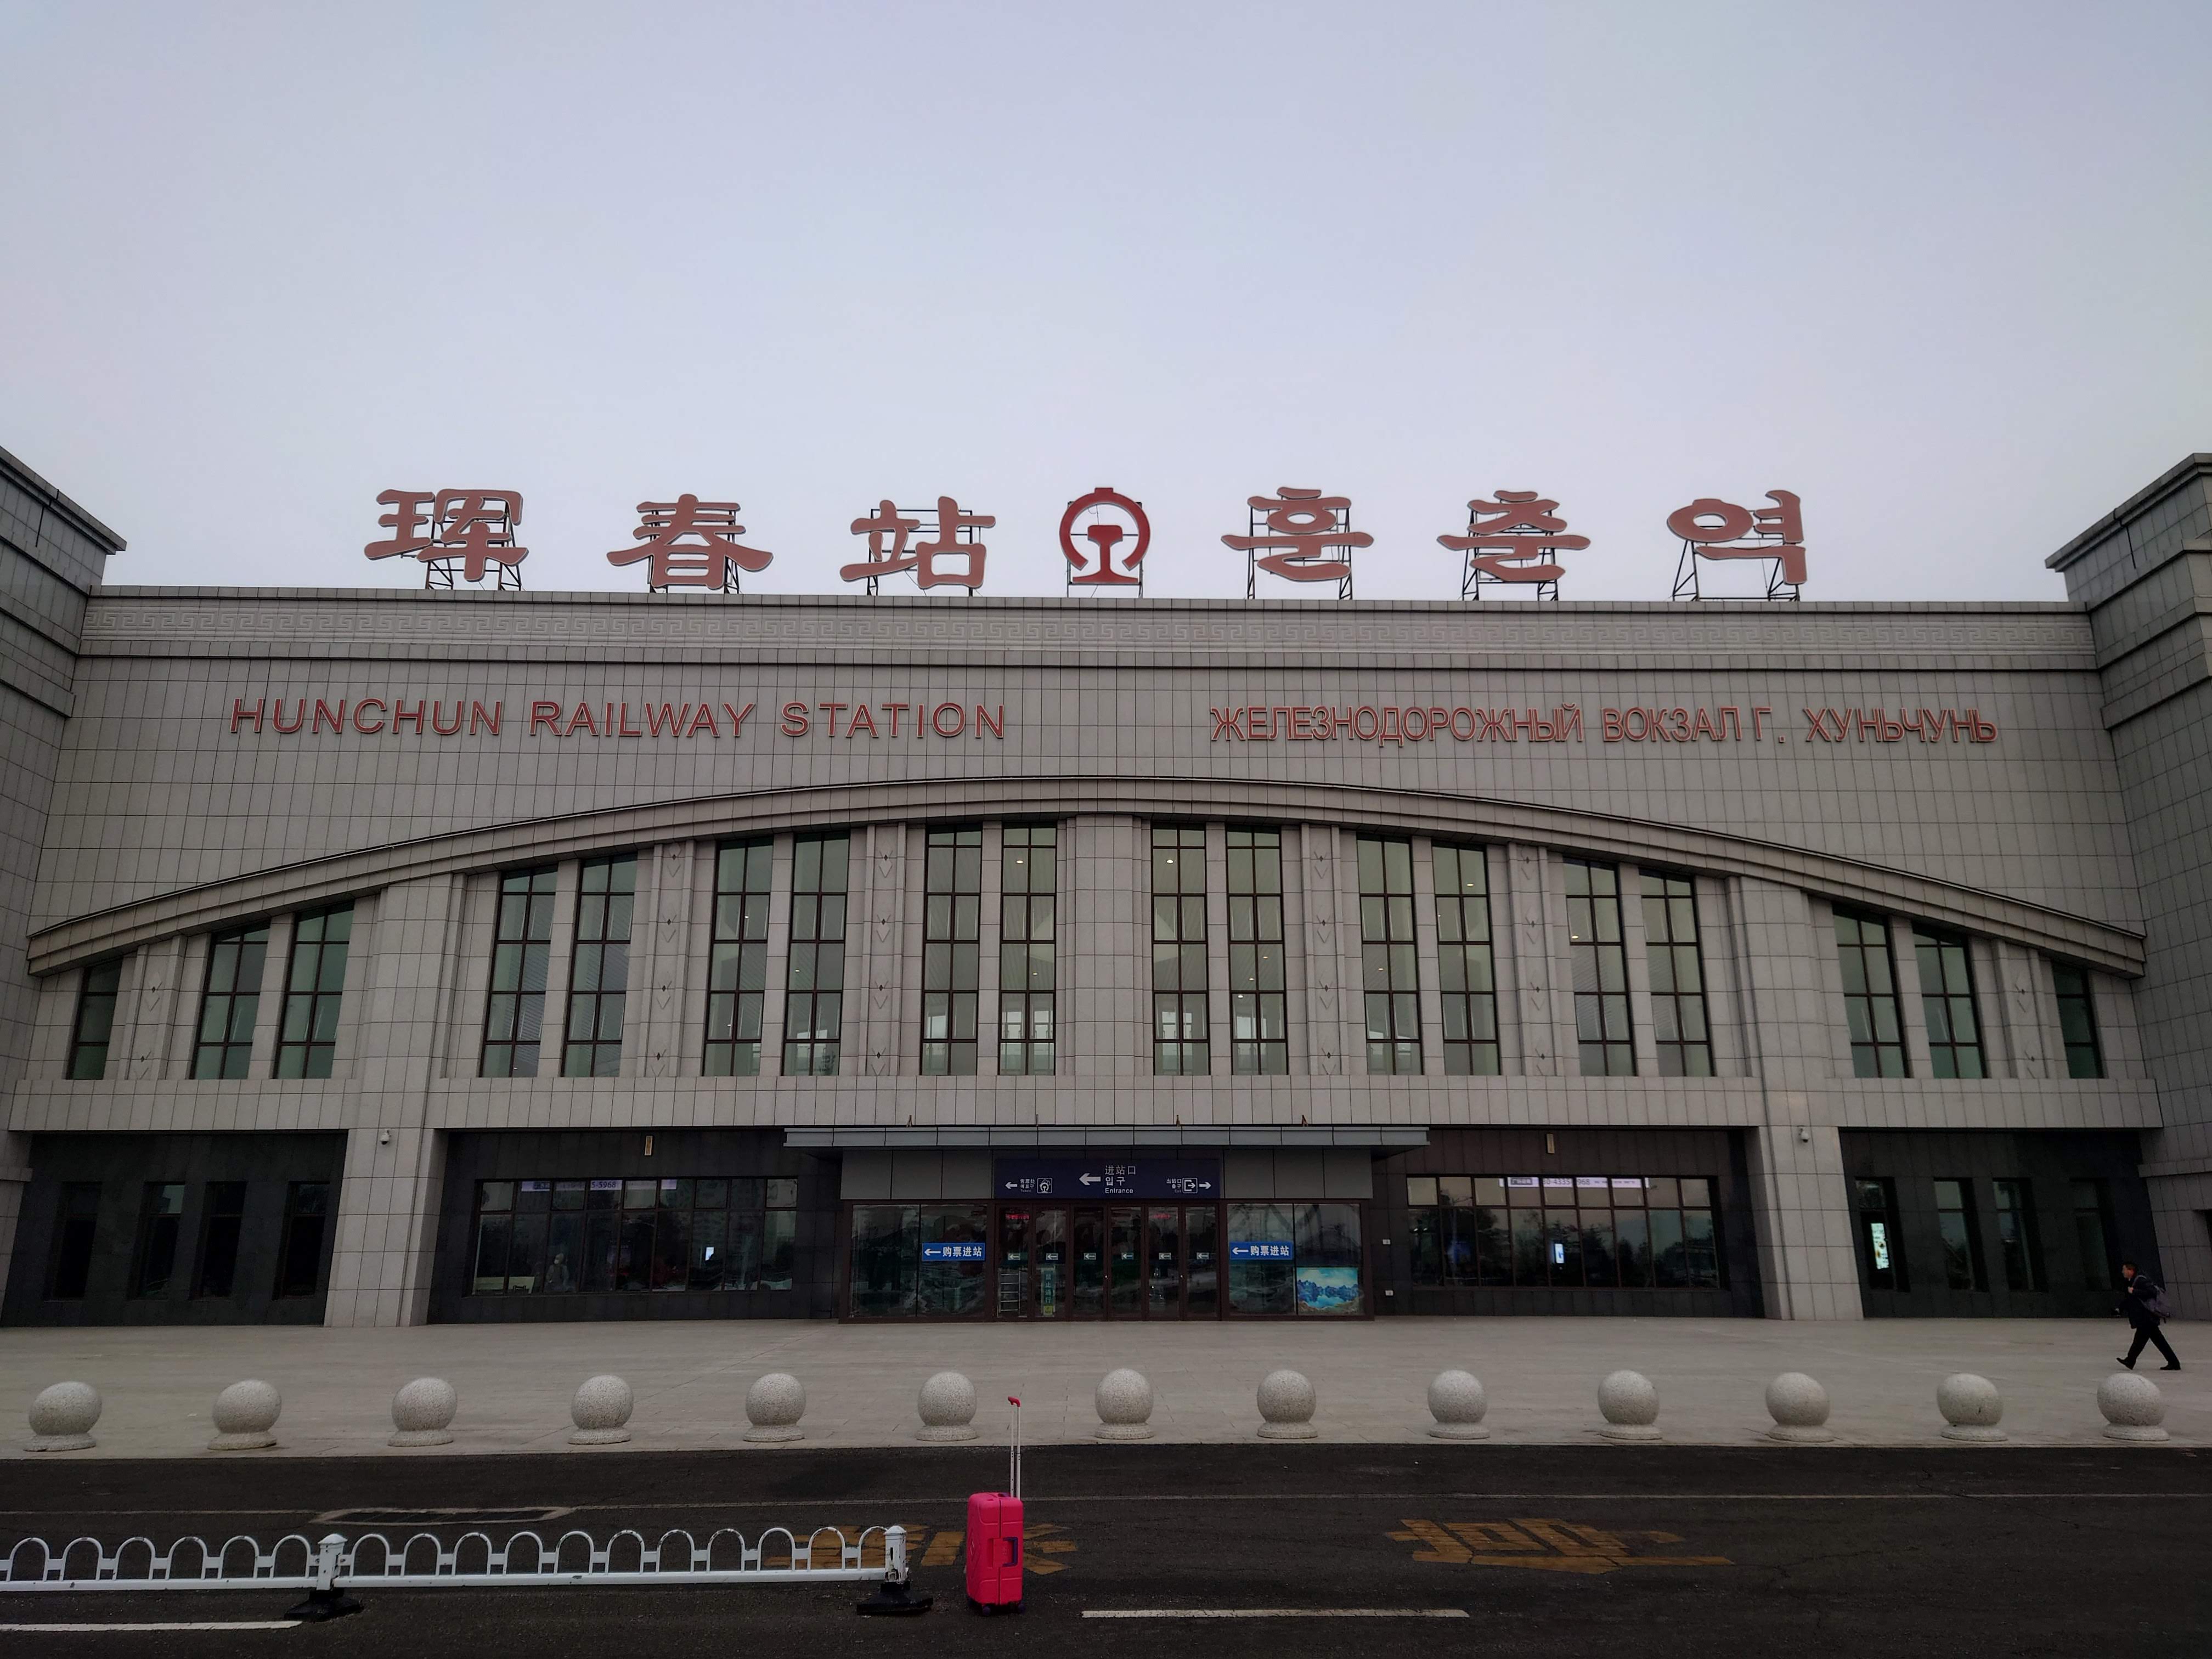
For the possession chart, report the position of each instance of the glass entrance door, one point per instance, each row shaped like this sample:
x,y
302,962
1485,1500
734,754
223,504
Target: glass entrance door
x,y
1125,1265
1201,1231
1164,1263
1014,1227
1089,1267
1048,1277
1158,1261
1033,1264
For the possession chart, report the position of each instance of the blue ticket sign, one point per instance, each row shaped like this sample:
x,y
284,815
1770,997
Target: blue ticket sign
x,y
953,1253
1079,1178
1261,1249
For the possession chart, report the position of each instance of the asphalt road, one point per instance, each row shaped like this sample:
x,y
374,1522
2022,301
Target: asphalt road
x,y
1544,1550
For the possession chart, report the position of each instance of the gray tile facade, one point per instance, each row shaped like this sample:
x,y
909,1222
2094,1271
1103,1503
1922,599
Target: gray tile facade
x,y
2144,575
51,556
2031,776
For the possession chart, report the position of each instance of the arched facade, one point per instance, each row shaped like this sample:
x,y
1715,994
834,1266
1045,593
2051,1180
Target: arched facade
x,y
396,955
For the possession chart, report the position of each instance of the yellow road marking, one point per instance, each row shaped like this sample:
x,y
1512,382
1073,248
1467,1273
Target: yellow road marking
x,y
944,1549
1037,1540
1542,1544
943,1546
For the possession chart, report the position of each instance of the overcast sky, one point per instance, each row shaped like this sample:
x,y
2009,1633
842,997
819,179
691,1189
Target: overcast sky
x,y
1944,270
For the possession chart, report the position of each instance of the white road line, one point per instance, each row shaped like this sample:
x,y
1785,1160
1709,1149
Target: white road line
x,y
938,1501
209,1623
1275,1612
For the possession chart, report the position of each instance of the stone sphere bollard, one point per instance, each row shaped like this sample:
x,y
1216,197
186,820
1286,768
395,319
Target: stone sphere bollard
x,y
2133,1408
601,1412
1630,1406
1971,1408
245,1413
1799,1407
1286,1406
423,1413
1457,1402
773,1406
61,1418
1124,1406
947,1407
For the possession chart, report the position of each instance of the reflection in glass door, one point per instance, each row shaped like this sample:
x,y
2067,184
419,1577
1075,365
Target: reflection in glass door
x,y
1202,1276
1163,1262
1090,1265
1048,1283
1124,1266
1110,1261
1033,1264
1014,1263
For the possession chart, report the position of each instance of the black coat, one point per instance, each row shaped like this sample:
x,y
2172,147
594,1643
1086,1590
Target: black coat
x,y
2134,1297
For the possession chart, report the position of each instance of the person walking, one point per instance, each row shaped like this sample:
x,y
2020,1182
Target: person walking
x,y
2145,1307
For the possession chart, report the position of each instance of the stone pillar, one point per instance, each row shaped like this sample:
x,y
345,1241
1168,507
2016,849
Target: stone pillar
x,y
1808,1259
665,975
153,1010
1911,1013
1551,873
560,967
863,1046
347,1036
1497,866
2020,990
1717,942
1106,1007
388,1201
181,1045
1297,995
1219,1034
990,930
900,1049
1635,958
1536,1009
779,958
1331,950
1429,976
275,972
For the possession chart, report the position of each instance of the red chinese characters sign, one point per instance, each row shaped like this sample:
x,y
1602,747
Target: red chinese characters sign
x,y
1515,539
951,558
474,527
689,543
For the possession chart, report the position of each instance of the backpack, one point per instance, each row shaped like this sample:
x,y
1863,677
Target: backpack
x,y
2154,1304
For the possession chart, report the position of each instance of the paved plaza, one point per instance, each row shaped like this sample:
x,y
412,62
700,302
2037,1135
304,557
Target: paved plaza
x,y
690,1377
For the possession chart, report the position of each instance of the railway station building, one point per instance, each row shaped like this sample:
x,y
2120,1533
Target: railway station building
x,y
372,957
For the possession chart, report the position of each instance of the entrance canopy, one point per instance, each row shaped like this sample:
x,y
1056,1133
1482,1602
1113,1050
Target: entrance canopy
x,y
1380,1136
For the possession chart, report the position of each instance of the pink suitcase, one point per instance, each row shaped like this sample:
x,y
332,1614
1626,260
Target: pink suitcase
x,y
995,1536
995,1551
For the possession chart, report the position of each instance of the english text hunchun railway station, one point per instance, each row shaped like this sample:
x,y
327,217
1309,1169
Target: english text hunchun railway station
x,y
376,957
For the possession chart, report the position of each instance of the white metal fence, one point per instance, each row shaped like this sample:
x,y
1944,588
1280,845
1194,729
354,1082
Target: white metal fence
x,y
423,1561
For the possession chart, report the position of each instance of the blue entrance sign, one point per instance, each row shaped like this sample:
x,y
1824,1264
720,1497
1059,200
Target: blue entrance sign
x,y
1079,1178
1261,1249
953,1253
